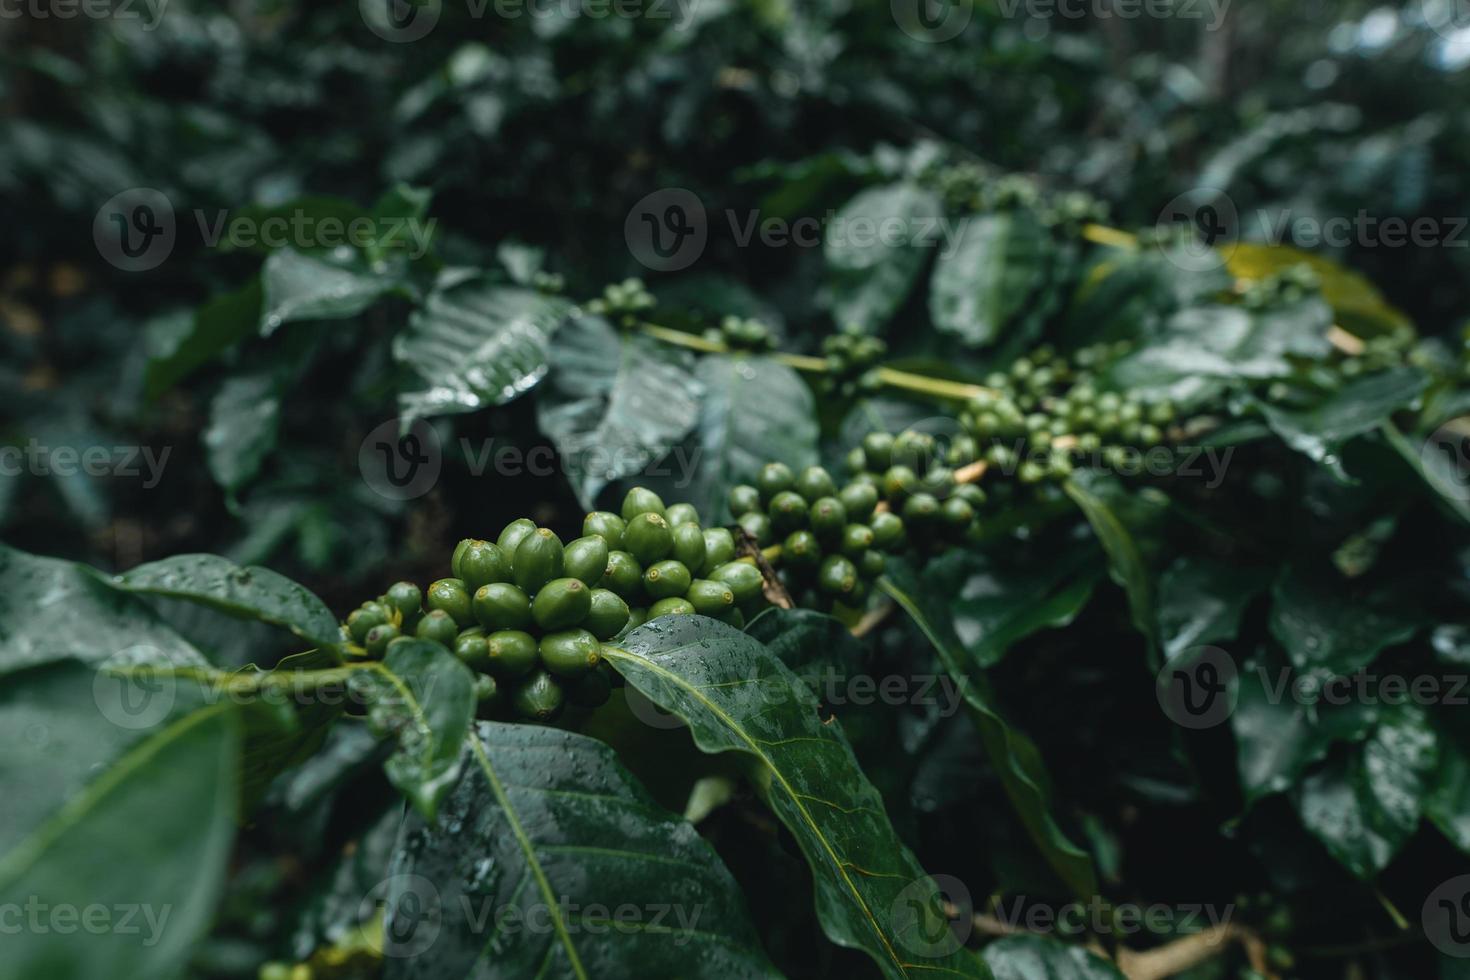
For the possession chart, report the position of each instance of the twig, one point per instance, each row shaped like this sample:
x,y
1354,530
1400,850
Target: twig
x,y
1190,951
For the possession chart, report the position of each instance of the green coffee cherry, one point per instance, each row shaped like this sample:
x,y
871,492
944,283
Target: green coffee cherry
x,y
814,483
859,499
744,499
710,598
511,536
878,449
561,604
719,547
672,606
957,513
743,578
734,617
591,690
539,697
856,460
511,653
439,626
787,511
406,598
586,559
487,694
607,616
828,518
773,479
801,551
361,621
971,494
378,638
502,606
856,540
666,578
899,482
689,545
607,526
451,595
838,576
472,649
758,526
921,510
641,500
680,514
648,538
871,564
624,576
570,652
539,558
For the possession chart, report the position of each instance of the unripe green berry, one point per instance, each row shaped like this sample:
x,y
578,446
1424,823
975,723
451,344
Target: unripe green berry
x,y
773,479
648,538
744,499
788,512
439,626
641,500
607,526
666,578
451,596
814,482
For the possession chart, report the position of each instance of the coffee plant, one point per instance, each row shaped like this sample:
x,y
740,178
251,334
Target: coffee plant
x,y
707,520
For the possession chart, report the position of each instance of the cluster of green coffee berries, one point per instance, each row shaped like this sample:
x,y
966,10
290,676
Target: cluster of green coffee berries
x,y
1046,411
853,364
968,186
739,333
914,476
530,614
832,542
1290,285
622,299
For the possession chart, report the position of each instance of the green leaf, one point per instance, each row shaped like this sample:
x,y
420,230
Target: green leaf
x,y
1448,802
1040,958
136,822
1327,627
425,696
296,287
755,411
244,416
52,610
544,843
181,344
1125,559
1436,467
1359,406
989,276
999,599
614,402
873,273
1201,601
247,592
736,696
1358,304
474,345
1016,759
1365,806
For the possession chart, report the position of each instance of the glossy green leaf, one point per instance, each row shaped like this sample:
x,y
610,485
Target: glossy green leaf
x,y
1359,406
550,860
1016,759
244,417
1363,806
182,343
474,344
736,696
989,276
118,827
53,610
1432,461
1042,958
1324,626
614,402
1201,601
297,287
248,592
872,273
1125,558
425,698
